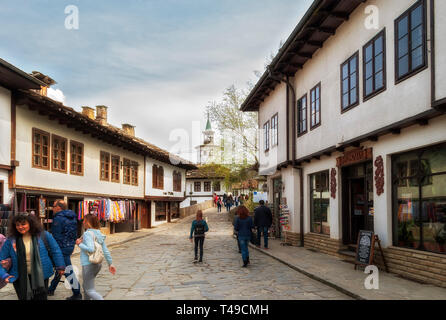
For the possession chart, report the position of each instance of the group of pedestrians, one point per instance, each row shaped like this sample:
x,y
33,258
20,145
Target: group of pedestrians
x,y
244,225
29,255
243,228
228,201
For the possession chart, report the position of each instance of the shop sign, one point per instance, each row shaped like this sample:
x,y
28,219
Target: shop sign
x,y
354,156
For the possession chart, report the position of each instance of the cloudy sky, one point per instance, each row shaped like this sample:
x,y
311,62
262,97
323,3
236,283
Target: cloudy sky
x,y
155,63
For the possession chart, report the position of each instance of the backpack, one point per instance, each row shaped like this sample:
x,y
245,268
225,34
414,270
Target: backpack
x,y
97,256
199,229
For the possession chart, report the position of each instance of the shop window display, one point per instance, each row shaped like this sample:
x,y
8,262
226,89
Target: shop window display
x,y
420,199
320,203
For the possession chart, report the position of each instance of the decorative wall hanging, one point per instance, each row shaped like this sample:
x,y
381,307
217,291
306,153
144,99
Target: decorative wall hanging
x,y
379,175
333,184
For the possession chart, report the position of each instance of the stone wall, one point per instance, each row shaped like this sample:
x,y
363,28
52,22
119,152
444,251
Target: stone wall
x,y
292,238
322,243
421,266
192,210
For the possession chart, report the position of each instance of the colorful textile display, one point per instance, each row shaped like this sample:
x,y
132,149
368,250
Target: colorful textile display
x,y
108,210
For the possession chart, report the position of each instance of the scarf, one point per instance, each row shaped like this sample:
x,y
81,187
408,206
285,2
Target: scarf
x,y
28,289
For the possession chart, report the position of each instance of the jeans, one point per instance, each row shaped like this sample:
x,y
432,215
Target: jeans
x,y
42,296
219,208
244,241
265,235
89,274
75,286
199,242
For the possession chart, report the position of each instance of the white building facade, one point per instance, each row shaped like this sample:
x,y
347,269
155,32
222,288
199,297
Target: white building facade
x,y
360,142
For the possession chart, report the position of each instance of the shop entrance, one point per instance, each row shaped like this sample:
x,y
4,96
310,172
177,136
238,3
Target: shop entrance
x,y
357,201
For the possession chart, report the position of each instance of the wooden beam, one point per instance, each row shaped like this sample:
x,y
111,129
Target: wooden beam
x,y
395,131
318,44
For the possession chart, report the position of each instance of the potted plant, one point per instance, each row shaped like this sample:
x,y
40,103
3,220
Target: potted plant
x,y
405,234
440,237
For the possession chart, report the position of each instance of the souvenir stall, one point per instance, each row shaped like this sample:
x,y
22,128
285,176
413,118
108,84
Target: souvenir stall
x,y
115,216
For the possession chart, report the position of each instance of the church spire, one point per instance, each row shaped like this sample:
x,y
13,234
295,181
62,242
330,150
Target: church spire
x,y
208,124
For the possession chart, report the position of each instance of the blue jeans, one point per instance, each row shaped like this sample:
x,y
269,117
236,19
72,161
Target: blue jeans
x,y
265,235
244,241
74,287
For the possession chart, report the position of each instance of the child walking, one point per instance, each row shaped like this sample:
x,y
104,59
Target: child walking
x,y
86,244
197,231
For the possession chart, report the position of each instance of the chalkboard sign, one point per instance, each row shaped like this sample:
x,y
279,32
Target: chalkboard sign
x,y
365,249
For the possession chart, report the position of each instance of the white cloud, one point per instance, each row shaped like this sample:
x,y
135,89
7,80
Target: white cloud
x,y
56,94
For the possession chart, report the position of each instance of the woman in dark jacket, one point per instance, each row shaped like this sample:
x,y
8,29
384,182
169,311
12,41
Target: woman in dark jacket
x,y
31,266
243,225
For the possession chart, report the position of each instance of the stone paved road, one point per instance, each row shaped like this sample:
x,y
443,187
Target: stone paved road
x,y
160,267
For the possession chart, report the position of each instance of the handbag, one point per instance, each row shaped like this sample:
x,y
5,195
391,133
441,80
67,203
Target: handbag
x,y
253,239
97,256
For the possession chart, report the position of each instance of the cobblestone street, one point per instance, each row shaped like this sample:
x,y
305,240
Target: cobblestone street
x,y
160,267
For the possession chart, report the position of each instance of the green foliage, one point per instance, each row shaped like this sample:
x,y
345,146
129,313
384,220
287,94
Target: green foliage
x,y
232,122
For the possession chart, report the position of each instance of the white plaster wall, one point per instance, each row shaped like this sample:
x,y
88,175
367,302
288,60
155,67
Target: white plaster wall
x,y
5,126
334,215
398,102
440,49
275,103
168,179
290,180
7,193
411,138
89,182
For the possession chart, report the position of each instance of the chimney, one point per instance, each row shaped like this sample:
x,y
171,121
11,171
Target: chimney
x,y
128,129
101,115
87,111
45,79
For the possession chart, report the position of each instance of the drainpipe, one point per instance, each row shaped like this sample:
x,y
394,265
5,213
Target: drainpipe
x,y
279,77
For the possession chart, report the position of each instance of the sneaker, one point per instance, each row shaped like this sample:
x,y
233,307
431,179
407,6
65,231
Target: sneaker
x,y
75,297
200,261
266,248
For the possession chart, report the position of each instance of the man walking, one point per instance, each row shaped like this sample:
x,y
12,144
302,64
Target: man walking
x,y
64,230
263,219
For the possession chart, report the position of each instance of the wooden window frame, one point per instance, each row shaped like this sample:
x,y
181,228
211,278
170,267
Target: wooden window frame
x,y
195,188
53,149
2,190
154,176
266,138
77,144
375,91
33,154
112,167
209,184
107,165
275,130
312,127
217,183
126,171
348,62
299,113
177,181
160,178
425,65
134,173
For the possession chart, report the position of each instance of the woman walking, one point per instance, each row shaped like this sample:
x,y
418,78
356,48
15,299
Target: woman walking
x,y
218,204
198,229
31,265
243,225
87,246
